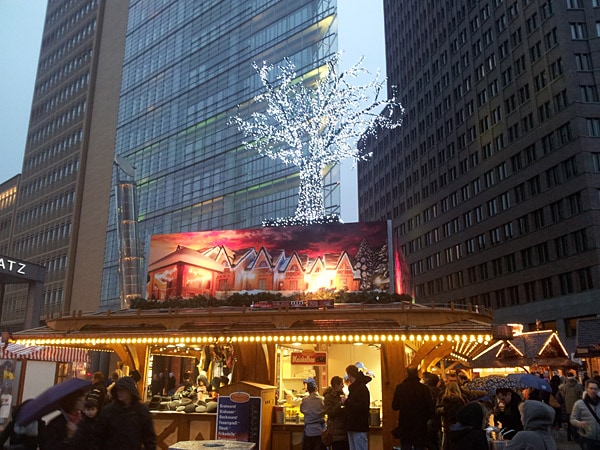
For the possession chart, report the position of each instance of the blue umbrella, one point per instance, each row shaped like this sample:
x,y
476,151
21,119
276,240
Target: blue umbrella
x,y
49,400
533,381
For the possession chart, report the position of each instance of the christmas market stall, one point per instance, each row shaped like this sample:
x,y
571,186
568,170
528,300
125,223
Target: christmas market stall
x,y
29,369
274,347
588,344
516,351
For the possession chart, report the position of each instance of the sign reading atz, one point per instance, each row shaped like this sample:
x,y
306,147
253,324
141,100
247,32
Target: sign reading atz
x,y
12,266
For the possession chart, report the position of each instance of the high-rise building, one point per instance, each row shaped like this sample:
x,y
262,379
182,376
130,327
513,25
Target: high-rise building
x,y
61,199
187,70
493,180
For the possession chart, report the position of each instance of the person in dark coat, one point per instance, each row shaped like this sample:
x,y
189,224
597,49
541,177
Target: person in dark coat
x,y
356,409
415,407
99,385
332,398
467,432
125,423
434,426
506,413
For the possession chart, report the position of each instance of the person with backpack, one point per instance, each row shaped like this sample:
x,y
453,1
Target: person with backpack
x,y
586,417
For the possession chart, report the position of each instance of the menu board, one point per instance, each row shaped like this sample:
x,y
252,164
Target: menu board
x,y
239,418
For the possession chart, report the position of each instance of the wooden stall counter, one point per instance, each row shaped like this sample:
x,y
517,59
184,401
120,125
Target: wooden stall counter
x,y
288,436
172,427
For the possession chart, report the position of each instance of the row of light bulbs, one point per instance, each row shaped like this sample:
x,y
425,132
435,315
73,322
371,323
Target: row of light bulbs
x,y
368,338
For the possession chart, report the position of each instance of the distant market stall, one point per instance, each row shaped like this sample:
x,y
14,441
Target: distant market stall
x,y
588,343
529,351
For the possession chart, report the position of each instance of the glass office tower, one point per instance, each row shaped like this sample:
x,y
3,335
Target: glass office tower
x,y
187,69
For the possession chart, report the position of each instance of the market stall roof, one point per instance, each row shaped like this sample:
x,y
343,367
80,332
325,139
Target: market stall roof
x,y
525,349
588,338
467,329
42,353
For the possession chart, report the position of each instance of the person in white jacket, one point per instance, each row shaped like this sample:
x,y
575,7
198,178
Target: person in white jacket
x,y
582,417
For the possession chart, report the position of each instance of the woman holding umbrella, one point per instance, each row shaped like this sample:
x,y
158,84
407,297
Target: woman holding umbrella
x,y
61,432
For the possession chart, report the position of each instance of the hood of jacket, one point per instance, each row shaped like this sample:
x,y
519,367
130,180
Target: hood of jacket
x,y
471,415
571,381
127,383
536,415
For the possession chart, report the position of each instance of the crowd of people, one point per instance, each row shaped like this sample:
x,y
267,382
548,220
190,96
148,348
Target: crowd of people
x,y
342,412
437,414
93,418
456,418
433,414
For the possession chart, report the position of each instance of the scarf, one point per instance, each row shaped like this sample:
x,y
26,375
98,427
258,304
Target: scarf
x,y
74,418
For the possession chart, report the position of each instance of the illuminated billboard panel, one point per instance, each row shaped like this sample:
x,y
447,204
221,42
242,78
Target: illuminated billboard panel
x,y
288,260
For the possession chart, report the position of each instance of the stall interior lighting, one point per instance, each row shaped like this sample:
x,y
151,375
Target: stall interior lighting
x,y
183,341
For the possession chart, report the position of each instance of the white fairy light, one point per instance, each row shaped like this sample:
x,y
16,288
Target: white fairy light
x,y
312,127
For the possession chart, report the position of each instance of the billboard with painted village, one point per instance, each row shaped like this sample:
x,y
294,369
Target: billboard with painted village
x,y
287,260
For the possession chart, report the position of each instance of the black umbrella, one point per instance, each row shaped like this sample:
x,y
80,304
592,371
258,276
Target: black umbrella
x,y
49,400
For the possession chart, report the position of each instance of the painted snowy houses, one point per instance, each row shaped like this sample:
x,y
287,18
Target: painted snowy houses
x,y
219,270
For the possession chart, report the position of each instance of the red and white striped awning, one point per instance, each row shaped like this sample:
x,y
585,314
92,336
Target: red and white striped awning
x,y
58,354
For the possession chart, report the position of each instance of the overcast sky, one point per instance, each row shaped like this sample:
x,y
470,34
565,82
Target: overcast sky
x,y
360,26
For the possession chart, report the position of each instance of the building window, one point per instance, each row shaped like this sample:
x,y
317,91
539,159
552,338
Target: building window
x,y
585,279
593,127
547,291
580,239
530,292
578,30
583,61
566,283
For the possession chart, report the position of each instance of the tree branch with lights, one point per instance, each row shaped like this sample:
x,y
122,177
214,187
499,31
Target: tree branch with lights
x,y
312,126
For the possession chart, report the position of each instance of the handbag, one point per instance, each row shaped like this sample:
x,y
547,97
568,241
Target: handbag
x,y
327,435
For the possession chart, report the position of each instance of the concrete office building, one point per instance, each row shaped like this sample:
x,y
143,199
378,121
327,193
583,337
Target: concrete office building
x,y
492,181
154,85
62,197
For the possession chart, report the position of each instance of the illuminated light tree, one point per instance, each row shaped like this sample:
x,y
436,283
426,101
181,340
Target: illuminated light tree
x,y
314,126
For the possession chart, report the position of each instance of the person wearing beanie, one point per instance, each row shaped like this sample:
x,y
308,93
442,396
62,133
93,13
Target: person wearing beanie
x,y
537,418
125,423
467,432
356,409
415,407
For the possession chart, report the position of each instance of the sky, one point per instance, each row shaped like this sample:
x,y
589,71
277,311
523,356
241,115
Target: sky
x,y
360,27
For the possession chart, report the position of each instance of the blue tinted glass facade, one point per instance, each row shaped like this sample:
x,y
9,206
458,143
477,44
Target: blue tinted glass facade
x,y
187,70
